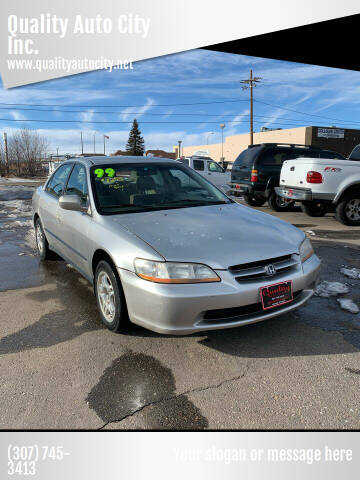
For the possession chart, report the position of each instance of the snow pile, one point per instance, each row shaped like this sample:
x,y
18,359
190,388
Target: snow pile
x,y
29,240
310,232
19,207
348,305
331,289
351,272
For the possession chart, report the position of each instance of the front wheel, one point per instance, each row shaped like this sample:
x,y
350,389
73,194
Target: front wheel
x,y
314,209
42,244
280,204
110,298
254,201
348,210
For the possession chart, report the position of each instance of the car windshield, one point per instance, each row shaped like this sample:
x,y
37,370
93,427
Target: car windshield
x,y
136,187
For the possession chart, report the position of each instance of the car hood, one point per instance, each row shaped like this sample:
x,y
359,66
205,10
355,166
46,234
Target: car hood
x,y
216,235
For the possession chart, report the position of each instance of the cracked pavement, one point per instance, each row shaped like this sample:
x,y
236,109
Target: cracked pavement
x,y
61,369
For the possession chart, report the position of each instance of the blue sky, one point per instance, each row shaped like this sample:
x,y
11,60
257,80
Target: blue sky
x,y
190,77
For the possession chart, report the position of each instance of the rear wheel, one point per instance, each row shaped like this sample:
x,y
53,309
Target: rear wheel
x,y
280,204
348,210
254,201
110,298
42,244
314,209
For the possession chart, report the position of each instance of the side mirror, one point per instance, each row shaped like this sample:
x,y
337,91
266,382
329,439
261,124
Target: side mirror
x,y
72,202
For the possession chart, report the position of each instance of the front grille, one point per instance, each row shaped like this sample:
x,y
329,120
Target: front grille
x,y
257,270
253,309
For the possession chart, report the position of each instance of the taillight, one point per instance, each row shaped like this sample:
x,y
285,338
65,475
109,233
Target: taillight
x,y
254,176
314,177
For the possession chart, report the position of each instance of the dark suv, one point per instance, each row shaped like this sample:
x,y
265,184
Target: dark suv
x,y
256,171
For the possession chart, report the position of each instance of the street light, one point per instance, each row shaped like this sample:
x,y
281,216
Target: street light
x,y
222,126
179,142
207,141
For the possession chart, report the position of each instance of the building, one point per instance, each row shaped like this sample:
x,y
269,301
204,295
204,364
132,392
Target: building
x,y
161,154
341,140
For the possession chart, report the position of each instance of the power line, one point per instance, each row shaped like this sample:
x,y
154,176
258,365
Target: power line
x,y
304,113
154,114
127,106
127,122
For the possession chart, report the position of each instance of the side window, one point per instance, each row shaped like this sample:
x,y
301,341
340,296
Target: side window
x,y
334,155
199,165
355,154
57,182
214,167
77,184
274,157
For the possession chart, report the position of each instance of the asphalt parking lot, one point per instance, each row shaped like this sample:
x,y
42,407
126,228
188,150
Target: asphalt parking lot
x,y
61,369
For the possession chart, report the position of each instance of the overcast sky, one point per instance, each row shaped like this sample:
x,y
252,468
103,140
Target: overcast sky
x,y
318,96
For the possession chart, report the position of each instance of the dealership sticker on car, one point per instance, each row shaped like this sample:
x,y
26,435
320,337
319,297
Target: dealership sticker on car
x,y
276,294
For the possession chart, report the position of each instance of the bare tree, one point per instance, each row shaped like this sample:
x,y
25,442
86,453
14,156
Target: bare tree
x,y
26,149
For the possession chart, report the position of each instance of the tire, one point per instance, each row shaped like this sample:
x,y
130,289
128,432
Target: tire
x,y
110,298
348,210
314,209
42,244
254,201
279,204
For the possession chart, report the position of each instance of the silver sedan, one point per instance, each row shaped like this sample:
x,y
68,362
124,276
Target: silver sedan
x,y
166,249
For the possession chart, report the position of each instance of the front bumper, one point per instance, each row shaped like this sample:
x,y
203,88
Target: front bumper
x,y
181,309
297,194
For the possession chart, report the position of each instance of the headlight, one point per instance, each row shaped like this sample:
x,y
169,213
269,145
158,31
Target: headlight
x,y
306,250
174,272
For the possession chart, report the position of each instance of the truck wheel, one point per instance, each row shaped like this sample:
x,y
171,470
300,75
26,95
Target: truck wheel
x,y
348,210
280,204
314,209
254,201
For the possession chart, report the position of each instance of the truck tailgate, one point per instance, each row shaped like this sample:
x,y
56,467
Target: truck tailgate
x,y
293,172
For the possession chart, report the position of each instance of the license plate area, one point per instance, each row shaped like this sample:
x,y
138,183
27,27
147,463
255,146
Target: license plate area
x,y
276,294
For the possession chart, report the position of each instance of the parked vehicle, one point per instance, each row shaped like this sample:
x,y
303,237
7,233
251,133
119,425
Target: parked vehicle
x,y
209,169
166,249
322,185
256,172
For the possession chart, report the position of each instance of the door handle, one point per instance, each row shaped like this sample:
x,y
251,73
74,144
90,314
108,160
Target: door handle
x,y
59,218
209,173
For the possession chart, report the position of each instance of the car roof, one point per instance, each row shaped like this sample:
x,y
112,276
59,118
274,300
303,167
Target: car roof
x,y
101,160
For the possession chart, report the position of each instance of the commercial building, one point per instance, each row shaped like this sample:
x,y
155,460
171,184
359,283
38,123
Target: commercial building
x,y
332,138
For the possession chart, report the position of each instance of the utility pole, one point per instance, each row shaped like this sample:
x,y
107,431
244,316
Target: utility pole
x,y
179,142
82,145
6,154
250,83
222,126
94,143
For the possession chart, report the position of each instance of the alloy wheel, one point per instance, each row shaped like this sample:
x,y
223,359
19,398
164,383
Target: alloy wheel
x,y
352,209
106,296
39,239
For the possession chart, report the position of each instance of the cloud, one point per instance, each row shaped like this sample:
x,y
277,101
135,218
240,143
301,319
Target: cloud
x,y
135,112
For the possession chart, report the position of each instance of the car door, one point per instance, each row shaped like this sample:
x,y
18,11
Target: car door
x,y
199,166
49,204
216,174
75,225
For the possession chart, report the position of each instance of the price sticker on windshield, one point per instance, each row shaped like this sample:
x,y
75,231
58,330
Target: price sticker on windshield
x,y
108,172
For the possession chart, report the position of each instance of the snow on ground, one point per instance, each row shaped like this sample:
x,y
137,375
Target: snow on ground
x,y
331,289
15,215
11,180
351,272
348,305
